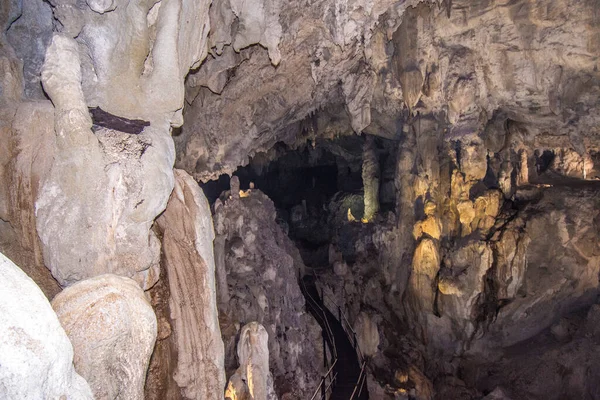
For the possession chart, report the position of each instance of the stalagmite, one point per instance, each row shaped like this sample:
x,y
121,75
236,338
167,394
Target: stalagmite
x,y
524,168
221,272
262,267
253,375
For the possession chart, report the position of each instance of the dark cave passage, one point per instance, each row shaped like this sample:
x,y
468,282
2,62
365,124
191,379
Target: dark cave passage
x,y
318,192
319,199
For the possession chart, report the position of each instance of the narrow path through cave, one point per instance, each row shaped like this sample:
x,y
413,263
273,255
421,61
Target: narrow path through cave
x,y
347,367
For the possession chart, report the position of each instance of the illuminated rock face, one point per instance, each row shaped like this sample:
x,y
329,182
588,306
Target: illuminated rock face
x,y
106,186
86,210
376,60
485,103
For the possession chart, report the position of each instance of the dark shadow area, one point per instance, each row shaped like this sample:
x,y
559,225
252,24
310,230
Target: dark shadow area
x,y
317,190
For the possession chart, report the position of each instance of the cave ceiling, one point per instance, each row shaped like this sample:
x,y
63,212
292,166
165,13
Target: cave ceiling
x,y
524,71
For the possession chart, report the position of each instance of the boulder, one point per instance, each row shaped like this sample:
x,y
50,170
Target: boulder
x,y
36,357
113,329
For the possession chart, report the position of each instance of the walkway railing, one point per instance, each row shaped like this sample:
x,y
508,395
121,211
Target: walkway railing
x,y
326,384
328,380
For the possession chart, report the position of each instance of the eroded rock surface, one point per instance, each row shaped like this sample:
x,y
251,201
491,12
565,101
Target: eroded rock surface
x,y
378,59
26,134
29,150
36,356
136,54
485,103
129,58
113,328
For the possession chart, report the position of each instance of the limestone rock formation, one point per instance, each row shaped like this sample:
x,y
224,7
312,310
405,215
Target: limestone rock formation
x,y
545,366
327,50
426,65
188,234
103,191
253,378
26,133
132,64
113,328
136,54
262,267
367,334
29,34
36,357
370,176
160,383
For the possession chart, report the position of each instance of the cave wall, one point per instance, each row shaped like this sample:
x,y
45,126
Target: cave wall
x,y
79,196
526,61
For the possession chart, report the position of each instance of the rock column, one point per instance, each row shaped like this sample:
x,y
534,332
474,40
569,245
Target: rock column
x,y
370,176
113,329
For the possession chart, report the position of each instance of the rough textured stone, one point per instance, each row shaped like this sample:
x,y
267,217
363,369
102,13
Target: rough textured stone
x,y
113,328
367,334
137,53
326,50
485,105
189,263
159,380
36,357
370,176
30,35
109,187
447,61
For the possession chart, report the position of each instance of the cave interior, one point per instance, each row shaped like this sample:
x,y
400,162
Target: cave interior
x,y
268,199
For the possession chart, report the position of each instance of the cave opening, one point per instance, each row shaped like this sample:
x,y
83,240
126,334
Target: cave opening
x,y
318,191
